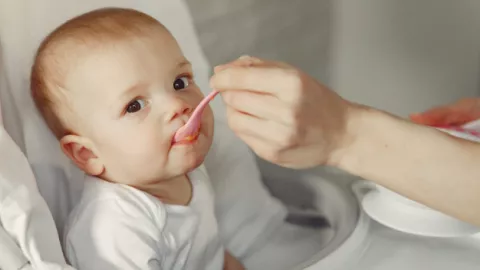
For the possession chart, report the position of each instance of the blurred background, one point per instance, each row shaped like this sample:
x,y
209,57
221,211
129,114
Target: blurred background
x,y
402,56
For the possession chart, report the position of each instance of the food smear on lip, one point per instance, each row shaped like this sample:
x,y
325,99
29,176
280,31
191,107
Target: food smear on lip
x,y
192,137
188,139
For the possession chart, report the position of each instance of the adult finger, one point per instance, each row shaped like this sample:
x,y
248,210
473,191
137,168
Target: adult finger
x,y
244,60
458,113
276,134
263,148
285,157
257,104
248,61
443,116
260,79
432,117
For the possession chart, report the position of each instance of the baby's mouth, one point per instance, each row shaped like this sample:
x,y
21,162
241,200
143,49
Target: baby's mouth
x,y
190,139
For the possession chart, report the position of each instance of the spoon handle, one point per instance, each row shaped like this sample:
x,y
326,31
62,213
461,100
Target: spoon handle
x,y
197,113
190,129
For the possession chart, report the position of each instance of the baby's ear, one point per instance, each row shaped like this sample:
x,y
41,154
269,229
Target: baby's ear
x,y
80,151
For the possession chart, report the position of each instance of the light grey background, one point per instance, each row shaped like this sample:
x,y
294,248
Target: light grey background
x,y
294,31
398,55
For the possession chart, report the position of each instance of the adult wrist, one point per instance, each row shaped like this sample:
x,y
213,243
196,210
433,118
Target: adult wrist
x,y
353,135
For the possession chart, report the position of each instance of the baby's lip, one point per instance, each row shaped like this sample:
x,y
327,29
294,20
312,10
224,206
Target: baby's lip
x,y
187,140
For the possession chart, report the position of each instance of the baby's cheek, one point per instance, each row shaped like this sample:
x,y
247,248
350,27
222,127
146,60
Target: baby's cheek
x,y
196,96
148,157
138,147
208,120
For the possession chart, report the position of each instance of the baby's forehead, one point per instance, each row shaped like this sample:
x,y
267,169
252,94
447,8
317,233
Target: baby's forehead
x,y
118,62
94,32
113,56
78,46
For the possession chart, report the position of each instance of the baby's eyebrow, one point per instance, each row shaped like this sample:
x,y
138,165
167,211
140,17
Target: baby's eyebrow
x,y
130,91
183,63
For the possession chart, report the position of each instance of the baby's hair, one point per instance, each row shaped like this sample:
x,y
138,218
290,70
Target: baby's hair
x,y
65,45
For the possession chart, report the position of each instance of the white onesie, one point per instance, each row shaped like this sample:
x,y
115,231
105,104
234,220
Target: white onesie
x,y
119,227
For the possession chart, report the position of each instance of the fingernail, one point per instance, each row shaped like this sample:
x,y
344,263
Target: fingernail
x,y
245,56
210,82
220,68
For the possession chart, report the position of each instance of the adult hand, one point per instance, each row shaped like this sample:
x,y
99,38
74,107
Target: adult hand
x,y
283,114
287,117
455,114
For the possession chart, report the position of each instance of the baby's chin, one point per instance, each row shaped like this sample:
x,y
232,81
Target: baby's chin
x,y
191,162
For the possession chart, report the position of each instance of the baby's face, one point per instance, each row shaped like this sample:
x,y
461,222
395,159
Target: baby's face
x,y
128,100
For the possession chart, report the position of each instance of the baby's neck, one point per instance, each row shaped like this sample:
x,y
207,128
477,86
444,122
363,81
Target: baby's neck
x,y
177,190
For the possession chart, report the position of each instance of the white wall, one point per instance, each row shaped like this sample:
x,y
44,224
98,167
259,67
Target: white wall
x,y
406,55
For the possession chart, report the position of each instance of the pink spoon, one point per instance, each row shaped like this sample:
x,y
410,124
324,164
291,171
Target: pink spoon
x,y
189,131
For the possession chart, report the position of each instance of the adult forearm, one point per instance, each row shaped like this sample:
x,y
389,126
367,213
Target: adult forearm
x,y
418,162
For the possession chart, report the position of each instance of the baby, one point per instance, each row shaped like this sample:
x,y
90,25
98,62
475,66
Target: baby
x,y
114,86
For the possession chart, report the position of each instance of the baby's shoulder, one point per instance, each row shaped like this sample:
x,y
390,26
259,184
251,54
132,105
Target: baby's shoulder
x,y
109,202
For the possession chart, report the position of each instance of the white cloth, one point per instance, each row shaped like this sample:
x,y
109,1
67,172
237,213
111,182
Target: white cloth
x,y
27,230
119,227
24,214
12,255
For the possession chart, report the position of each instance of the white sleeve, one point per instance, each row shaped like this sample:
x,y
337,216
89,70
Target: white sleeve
x,y
113,234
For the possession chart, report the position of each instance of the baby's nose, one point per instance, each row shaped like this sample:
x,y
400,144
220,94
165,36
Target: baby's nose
x,y
179,108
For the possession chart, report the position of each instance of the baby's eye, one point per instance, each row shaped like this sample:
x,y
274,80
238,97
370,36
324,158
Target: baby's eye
x,y
181,83
135,106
